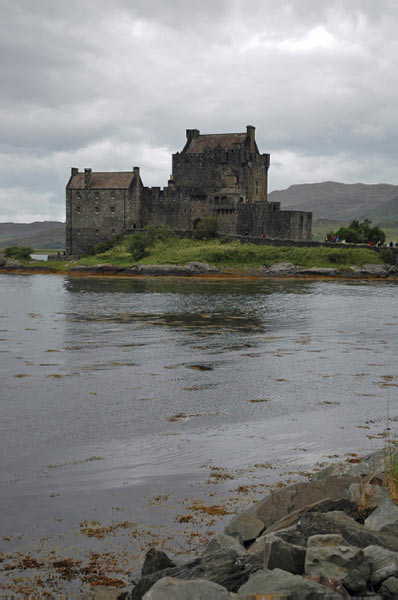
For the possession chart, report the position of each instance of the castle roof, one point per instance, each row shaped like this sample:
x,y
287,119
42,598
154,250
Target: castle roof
x,y
227,141
116,180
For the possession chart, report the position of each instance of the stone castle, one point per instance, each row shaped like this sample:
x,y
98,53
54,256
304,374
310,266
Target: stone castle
x,y
222,175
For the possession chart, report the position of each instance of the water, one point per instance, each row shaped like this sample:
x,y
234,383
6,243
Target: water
x,y
122,398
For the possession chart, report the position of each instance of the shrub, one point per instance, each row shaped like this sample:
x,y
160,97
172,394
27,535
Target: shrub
x,y
386,255
142,241
206,228
158,233
19,252
139,244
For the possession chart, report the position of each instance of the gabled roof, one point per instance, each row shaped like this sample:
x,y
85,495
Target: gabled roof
x,y
227,141
116,180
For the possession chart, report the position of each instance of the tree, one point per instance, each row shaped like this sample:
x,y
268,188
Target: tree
x,y
361,233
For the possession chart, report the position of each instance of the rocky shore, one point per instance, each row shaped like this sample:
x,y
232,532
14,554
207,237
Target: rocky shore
x,y
333,537
199,269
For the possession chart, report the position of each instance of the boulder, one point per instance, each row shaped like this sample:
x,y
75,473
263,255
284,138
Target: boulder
x,y
291,535
332,584
155,560
367,495
325,540
326,505
385,515
377,270
279,554
224,567
373,465
224,542
281,268
383,563
286,501
389,588
279,581
169,588
346,564
245,527
199,267
354,533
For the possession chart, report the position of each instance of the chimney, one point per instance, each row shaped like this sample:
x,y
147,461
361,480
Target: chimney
x,y
192,133
136,171
74,171
171,183
87,178
251,135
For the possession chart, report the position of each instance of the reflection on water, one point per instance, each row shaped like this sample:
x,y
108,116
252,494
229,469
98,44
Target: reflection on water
x,y
126,385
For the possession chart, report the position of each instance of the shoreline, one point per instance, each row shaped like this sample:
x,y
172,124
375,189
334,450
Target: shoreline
x,y
180,272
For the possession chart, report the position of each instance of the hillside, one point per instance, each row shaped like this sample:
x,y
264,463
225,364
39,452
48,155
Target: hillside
x,y
342,202
46,234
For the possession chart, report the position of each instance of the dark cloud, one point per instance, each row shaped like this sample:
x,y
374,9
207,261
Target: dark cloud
x,y
114,84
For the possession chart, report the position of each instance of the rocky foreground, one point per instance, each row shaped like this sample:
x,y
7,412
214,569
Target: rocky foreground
x,y
192,269
333,537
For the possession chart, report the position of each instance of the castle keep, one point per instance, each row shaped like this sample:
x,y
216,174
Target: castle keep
x,y
222,175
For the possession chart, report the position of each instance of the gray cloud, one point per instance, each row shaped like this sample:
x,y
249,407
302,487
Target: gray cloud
x,y
115,84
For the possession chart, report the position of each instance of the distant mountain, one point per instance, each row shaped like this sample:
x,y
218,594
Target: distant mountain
x,y
341,201
45,234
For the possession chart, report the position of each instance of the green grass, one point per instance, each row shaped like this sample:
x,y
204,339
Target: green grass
x,y
234,255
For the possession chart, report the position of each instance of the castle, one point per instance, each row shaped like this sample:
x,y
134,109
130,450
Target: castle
x,y
222,175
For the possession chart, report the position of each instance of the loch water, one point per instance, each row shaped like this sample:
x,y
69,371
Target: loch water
x,y
118,391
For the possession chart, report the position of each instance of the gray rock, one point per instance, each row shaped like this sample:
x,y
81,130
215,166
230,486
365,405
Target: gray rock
x,y
199,267
155,560
281,267
169,588
367,495
277,553
346,564
326,539
370,269
226,568
384,515
393,269
383,563
275,507
353,533
372,465
224,542
389,588
291,535
278,581
333,470
245,527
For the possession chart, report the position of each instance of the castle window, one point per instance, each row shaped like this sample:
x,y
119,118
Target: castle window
x,y
113,194
97,194
241,200
78,195
112,209
113,232
256,188
96,232
78,209
97,210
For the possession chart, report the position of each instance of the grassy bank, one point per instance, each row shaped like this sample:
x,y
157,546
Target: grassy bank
x,y
234,255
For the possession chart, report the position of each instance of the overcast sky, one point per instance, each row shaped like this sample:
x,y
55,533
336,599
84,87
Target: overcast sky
x,y
110,84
